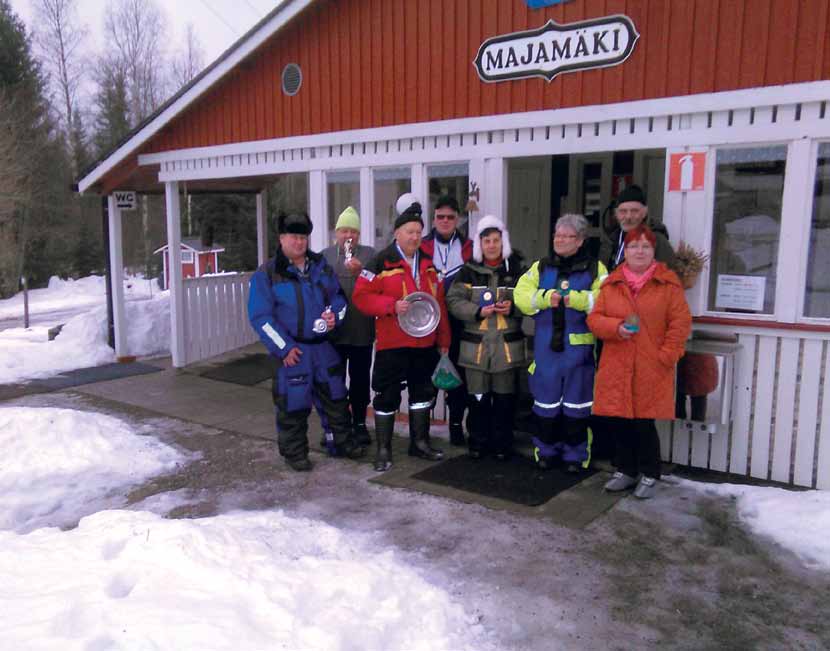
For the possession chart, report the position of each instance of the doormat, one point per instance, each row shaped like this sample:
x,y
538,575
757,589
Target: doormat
x,y
518,480
248,370
76,378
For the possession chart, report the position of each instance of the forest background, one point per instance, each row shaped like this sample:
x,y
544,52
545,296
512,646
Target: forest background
x,y
62,108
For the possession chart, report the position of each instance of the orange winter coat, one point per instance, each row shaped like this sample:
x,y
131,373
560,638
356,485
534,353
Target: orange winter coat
x,y
636,376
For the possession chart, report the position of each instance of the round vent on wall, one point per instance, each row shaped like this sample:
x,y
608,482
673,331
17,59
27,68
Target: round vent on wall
x,y
292,79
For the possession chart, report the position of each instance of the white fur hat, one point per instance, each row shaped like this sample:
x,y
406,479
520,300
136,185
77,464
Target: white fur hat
x,y
486,222
405,201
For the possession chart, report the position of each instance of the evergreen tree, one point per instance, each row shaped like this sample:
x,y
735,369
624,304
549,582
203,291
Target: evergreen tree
x,y
112,122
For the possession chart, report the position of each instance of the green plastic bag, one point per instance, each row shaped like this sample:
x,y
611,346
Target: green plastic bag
x,y
445,376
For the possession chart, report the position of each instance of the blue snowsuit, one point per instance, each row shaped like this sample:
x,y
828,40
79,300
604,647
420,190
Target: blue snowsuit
x,y
283,304
562,373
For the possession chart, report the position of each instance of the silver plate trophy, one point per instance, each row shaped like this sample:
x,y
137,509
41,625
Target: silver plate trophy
x,y
423,315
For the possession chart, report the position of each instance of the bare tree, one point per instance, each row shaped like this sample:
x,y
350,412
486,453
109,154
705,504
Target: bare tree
x,y
189,60
59,38
135,33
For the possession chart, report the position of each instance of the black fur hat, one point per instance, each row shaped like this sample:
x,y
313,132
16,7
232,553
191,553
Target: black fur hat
x,y
297,223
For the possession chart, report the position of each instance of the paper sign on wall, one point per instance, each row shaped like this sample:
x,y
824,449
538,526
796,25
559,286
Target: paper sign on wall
x,y
687,171
740,292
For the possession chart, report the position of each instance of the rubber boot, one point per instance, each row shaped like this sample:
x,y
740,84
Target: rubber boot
x,y
504,405
419,436
478,421
384,428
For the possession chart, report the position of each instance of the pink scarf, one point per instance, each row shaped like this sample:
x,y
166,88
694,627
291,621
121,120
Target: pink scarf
x,y
636,282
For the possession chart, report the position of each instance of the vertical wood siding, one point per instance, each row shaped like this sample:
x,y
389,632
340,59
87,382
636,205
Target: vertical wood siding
x,y
373,63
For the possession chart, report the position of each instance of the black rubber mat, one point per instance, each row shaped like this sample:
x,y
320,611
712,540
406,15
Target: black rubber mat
x,y
517,480
248,370
76,378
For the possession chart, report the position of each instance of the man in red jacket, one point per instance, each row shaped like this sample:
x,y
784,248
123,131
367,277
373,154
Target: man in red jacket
x,y
381,289
450,250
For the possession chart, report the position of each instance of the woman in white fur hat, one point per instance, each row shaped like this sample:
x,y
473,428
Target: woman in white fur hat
x,y
492,343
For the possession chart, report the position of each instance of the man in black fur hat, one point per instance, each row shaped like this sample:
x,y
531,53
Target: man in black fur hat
x,y
630,212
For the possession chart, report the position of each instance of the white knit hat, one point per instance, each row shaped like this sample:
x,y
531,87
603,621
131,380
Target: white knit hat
x,y
486,222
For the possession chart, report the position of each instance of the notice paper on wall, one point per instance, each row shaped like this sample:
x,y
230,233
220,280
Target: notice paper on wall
x,y
740,292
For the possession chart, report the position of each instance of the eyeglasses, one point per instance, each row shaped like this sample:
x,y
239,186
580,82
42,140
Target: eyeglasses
x,y
450,217
562,236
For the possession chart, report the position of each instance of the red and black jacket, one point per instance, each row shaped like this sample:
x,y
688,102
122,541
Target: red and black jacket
x,y
388,279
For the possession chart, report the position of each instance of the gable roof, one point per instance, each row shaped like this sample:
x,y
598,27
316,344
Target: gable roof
x,y
194,244
201,84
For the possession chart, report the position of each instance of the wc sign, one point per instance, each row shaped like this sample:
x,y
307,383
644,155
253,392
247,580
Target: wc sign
x,y
686,171
125,200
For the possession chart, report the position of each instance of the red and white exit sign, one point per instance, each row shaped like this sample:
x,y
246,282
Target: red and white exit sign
x,y
686,171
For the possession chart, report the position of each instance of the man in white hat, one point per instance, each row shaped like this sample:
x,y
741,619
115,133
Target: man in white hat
x,y
355,337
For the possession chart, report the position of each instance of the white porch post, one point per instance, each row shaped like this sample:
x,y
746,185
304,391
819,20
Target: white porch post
x,y
420,188
117,276
494,192
174,248
367,207
476,176
317,211
261,228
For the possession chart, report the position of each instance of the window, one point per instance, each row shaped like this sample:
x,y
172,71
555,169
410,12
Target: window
x,y
187,257
390,183
343,191
817,297
749,186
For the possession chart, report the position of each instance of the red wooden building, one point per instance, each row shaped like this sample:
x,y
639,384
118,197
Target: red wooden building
x,y
196,259
531,113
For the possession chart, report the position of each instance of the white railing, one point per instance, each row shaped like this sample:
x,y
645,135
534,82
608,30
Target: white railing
x,y
780,426
216,315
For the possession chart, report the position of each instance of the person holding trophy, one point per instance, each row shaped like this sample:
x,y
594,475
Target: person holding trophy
x,y
492,346
642,317
353,340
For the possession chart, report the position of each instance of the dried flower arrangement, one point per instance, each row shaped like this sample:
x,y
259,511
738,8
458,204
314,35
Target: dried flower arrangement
x,y
688,263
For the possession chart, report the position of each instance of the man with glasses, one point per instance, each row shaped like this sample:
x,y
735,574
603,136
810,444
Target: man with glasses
x,y
450,250
295,302
558,292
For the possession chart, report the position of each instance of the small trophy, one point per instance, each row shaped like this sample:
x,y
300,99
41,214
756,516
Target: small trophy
x,y
632,323
487,298
320,326
564,287
347,249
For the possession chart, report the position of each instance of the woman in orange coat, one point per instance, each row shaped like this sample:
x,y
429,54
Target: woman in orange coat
x,y
643,319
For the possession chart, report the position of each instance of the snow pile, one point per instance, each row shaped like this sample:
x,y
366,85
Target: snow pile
x,y
133,580
83,341
796,520
57,464
63,294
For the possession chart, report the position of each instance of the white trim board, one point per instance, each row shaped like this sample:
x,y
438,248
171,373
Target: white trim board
x,y
679,106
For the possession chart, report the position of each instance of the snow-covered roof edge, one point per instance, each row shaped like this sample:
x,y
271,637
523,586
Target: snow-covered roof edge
x,y
256,36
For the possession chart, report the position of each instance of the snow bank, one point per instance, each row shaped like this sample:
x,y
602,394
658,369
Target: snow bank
x,y
132,580
63,294
797,520
56,463
83,341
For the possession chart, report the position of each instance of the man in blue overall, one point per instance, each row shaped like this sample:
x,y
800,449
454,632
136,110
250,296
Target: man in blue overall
x,y
295,301
559,292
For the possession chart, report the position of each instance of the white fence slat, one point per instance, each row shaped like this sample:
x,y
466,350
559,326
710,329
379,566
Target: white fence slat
x,y
784,409
762,424
664,432
700,446
680,445
718,454
742,405
823,452
805,441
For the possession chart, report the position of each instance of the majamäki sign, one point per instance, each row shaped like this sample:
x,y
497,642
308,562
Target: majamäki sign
x,y
553,49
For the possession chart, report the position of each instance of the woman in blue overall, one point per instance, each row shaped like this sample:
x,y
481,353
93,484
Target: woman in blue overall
x,y
558,292
295,301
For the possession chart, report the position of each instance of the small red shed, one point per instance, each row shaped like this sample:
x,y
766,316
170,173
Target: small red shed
x,y
197,259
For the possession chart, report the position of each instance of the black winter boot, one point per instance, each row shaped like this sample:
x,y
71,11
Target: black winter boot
x,y
384,428
504,406
478,423
419,436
